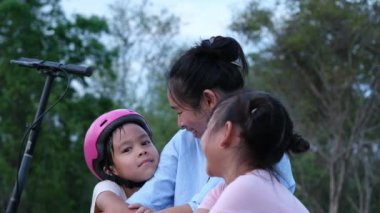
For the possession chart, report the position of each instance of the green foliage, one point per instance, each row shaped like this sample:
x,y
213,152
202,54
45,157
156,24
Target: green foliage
x,y
322,58
58,178
145,38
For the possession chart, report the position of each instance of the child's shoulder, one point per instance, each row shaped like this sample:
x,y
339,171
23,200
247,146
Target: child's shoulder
x,y
98,202
107,185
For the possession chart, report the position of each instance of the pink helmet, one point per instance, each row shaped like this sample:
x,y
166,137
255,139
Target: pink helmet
x,y
97,135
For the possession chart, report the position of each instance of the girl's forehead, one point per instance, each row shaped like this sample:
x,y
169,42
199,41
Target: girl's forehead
x,y
127,127
129,130
216,113
212,120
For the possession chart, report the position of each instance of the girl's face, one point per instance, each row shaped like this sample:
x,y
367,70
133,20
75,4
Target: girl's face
x,y
192,120
134,155
211,140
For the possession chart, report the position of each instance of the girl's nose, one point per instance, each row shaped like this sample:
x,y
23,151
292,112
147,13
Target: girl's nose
x,y
180,123
142,152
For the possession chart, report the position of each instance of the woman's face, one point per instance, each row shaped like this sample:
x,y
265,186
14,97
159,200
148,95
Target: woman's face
x,y
190,119
134,155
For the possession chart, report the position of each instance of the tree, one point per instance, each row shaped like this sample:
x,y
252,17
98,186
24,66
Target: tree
x,y
322,57
145,40
39,29
58,178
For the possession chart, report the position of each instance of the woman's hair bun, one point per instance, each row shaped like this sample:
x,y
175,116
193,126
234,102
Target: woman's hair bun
x,y
225,48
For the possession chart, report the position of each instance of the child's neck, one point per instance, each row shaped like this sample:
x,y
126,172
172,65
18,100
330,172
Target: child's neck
x,y
129,191
234,170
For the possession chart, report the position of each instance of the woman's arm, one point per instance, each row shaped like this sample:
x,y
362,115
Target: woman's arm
x,y
284,173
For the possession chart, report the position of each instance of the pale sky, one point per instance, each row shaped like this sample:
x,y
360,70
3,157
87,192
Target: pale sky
x,y
199,18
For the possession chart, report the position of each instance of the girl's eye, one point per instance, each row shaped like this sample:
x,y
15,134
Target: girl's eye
x,y
126,150
146,142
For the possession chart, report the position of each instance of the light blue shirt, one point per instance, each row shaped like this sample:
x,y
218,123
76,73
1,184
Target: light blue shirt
x,y
181,176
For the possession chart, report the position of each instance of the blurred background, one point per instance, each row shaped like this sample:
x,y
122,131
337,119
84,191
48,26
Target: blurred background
x,y
320,57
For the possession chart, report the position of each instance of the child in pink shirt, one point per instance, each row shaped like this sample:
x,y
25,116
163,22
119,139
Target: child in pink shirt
x,y
247,135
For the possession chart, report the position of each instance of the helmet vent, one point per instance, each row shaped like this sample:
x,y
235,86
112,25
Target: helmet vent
x,y
105,121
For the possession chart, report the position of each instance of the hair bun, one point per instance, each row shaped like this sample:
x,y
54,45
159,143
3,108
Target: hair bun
x,y
206,50
226,48
298,144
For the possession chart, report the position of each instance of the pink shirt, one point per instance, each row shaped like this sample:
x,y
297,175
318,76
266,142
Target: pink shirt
x,y
256,191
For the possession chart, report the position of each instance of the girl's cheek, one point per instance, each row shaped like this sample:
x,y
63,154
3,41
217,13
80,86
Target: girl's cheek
x,y
204,145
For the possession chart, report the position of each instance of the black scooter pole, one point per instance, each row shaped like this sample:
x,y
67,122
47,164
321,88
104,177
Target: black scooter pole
x,y
30,145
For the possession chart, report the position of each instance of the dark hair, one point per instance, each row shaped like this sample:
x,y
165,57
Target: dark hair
x,y
266,128
215,63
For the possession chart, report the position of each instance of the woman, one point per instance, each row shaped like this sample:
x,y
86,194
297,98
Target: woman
x,y
198,80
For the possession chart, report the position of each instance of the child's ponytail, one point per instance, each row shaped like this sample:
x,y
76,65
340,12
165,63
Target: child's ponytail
x,y
298,144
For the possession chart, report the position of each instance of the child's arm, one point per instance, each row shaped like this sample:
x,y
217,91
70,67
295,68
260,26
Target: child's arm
x,y
202,210
183,209
108,201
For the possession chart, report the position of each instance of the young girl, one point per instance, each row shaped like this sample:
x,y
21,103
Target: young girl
x,y
119,151
247,135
